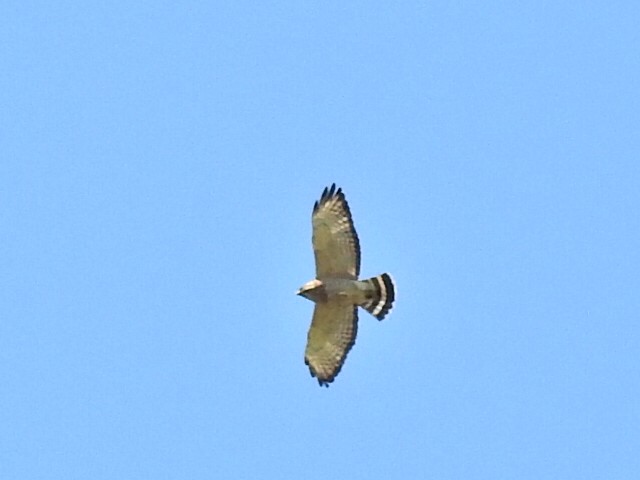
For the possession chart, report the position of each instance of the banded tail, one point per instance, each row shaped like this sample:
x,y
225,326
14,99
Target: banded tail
x,y
383,292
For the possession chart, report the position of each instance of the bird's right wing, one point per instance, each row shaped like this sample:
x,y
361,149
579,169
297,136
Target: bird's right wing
x,y
331,335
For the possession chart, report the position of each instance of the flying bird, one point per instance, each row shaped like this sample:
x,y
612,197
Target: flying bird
x,y
336,290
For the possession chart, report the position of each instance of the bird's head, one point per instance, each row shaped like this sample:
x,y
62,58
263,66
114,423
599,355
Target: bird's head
x,y
308,289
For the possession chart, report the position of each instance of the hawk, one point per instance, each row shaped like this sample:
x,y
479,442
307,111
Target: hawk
x,y
336,290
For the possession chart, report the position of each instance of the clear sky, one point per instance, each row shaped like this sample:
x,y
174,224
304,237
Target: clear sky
x,y
158,166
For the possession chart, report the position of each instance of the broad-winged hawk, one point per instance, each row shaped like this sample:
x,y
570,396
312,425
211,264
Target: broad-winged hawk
x,y
336,290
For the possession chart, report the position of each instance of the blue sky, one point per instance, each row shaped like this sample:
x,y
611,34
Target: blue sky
x,y
159,165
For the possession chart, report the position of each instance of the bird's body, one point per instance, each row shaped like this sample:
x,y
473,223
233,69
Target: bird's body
x,y
336,290
353,292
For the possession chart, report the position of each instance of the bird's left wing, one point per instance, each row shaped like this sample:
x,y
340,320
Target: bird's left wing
x,y
335,242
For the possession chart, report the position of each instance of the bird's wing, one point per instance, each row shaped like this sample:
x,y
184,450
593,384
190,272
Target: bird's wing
x,y
331,335
335,242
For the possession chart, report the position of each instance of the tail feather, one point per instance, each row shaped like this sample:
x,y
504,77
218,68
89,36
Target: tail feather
x,y
383,293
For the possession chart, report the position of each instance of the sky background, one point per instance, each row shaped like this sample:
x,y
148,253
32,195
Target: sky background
x,y
158,166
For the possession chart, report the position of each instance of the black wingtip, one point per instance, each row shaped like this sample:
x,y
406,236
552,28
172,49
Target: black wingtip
x,y
327,194
323,382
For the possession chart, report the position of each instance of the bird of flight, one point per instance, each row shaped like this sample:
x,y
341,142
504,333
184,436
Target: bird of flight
x,y
336,290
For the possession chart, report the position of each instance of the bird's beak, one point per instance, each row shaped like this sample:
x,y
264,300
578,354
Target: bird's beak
x,y
299,291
